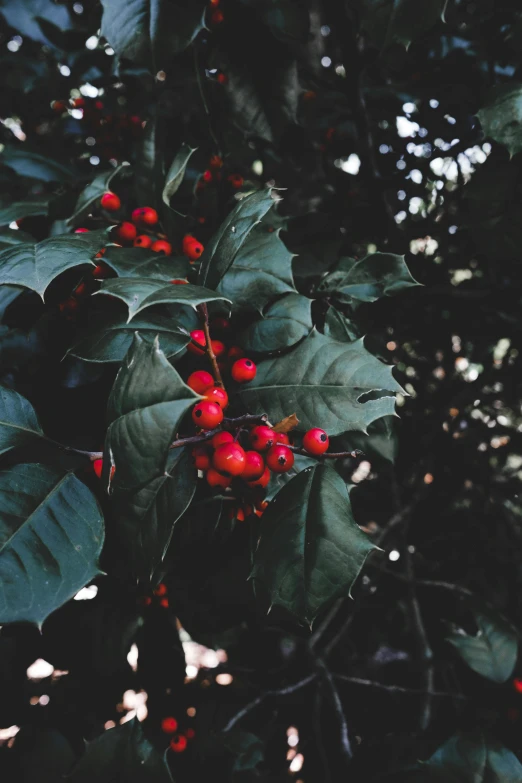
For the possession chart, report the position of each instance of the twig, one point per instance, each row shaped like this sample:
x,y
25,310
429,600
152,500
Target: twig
x,y
323,627
393,688
91,454
328,454
286,691
203,311
338,708
250,418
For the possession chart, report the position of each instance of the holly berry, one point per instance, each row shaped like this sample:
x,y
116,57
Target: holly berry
x,y
145,215
190,734
76,230
217,17
200,381
262,437
221,325
218,347
191,247
254,466
261,482
235,353
160,591
179,282
316,441
80,289
215,162
142,241
236,180
283,438
98,467
178,744
164,603
161,246
222,78
207,176
59,106
243,370
207,415
100,271
221,438
280,459
68,305
201,457
125,232
110,202
198,336
216,479
217,394
229,459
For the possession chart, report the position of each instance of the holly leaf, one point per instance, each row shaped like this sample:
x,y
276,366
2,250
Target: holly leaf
x,y
18,422
176,172
110,339
28,163
338,327
137,262
51,536
35,205
284,323
23,15
261,270
390,22
151,32
140,292
121,755
149,170
310,550
501,116
324,382
90,196
146,405
228,240
377,275
492,652
10,237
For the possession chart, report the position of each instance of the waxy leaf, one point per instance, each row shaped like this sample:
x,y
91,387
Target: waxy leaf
x,y
176,172
139,293
501,116
338,327
137,262
220,252
12,236
283,324
399,21
36,205
18,422
146,405
89,198
322,382
310,550
377,275
28,163
492,652
51,536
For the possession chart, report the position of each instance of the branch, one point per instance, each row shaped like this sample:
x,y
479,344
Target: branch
x,y
91,454
394,688
286,691
338,709
328,454
203,311
250,418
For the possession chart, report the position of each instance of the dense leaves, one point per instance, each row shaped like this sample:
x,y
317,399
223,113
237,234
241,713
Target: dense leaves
x,y
381,274
283,324
18,422
492,651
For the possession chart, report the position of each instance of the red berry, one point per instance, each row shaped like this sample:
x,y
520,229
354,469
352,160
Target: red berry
x,y
229,459
214,2
221,438
217,394
169,725
76,230
243,370
235,353
218,347
517,684
59,106
98,467
164,603
207,176
283,438
142,241
160,591
316,441
100,271
198,336
261,482
207,415
222,78
126,232
238,514
201,456
68,305
80,289
236,180
161,246
215,479
221,325
145,215
200,381
215,162
191,247
178,744
262,437
217,17
110,202
179,282
78,103
190,734
254,466
280,459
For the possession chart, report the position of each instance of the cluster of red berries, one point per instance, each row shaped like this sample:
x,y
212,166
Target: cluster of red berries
x,y
179,740
160,594
213,174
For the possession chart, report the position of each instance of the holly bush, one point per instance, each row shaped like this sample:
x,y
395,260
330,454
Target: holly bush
x,y
260,419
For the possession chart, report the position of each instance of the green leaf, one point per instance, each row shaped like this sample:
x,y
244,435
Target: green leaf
x,y
381,442
137,262
10,237
501,116
146,519
283,324
36,266
51,536
322,382
36,205
390,22
310,550
151,32
110,338
18,422
261,270
338,327
377,275
138,293
146,405
224,246
176,172
149,171
90,196
121,755
28,163
22,17
492,652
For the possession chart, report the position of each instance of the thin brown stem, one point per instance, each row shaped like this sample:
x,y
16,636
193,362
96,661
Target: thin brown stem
x,y
393,688
248,418
328,454
203,311
286,691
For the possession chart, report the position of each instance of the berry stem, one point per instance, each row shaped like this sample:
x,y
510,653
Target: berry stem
x,y
203,311
328,454
249,418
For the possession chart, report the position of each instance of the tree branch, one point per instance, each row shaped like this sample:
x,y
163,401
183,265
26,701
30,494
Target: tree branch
x,y
338,709
203,311
393,688
328,454
249,418
286,691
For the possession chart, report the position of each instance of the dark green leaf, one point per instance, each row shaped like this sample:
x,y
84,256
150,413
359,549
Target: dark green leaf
x,y
338,327
36,205
322,382
121,755
492,652
149,172
224,246
287,19
261,270
18,422
51,535
110,339
310,550
22,16
137,262
399,21
247,748
10,237
90,197
381,442
146,405
139,293
501,116
28,163
379,274
283,324
176,172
